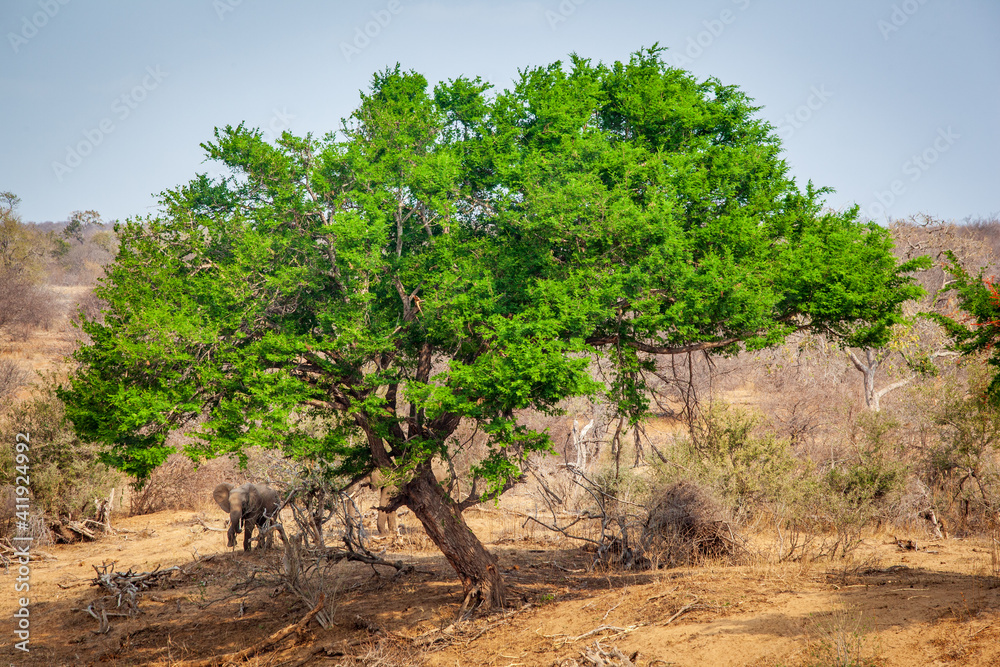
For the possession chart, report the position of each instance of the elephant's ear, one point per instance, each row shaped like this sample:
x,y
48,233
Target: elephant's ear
x,y
221,495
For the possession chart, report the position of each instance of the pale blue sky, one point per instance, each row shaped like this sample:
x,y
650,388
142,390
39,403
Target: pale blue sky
x,y
894,103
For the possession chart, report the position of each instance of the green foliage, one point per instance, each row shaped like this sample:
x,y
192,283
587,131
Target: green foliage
x,y
979,331
66,473
743,463
457,254
963,456
876,471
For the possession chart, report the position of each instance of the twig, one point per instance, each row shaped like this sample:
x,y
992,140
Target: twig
x,y
207,527
603,628
68,586
662,595
988,625
683,610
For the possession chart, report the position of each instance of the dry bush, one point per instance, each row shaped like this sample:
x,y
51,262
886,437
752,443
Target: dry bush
x,y
24,306
90,307
67,475
82,263
686,525
178,485
36,527
844,639
986,230
271,467
13,376
957,456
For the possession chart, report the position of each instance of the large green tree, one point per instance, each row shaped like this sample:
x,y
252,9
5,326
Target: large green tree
x,y
458,254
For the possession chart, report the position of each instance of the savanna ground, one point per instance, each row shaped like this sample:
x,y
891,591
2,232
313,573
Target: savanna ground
x,y
885,606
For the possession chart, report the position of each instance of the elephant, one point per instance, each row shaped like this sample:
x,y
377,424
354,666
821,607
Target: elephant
x,y
248,505
386,520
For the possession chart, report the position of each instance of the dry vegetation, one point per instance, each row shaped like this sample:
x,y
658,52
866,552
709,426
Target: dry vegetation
x,y
765,515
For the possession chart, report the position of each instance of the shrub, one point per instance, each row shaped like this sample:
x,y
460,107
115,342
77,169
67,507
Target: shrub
x,y
962,460
24,305
66,474
875,473
177,484
730,452
12,377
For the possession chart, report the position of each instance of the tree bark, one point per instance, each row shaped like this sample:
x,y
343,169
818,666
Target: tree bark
x,y
442,519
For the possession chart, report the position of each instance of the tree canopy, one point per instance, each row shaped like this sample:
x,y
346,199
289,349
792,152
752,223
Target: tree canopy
x,y
977,331
457,253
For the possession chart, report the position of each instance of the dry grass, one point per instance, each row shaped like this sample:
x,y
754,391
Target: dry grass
x,y
842,638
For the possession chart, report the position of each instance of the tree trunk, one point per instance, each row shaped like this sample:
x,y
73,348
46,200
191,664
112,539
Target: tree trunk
x,y
476,567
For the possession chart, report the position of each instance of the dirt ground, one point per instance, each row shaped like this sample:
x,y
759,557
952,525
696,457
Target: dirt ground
x,y
934,606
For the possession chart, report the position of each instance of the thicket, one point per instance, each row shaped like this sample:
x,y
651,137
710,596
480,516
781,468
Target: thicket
x,y
787,440
66,474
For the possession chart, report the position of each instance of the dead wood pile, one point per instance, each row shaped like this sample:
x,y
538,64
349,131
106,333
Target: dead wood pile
x,y
685,525
122,591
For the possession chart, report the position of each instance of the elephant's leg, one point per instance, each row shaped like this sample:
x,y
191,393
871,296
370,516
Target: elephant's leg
x,y
247,534
386,520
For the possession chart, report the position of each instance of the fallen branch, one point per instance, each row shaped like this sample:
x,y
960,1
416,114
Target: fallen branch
x,y
7,549
260,647
81,530
563,639
599,657
454,631
68,586
683,610
605,628
123,590
206,526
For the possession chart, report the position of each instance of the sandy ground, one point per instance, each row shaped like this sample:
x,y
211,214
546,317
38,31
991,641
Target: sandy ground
x,y
937,605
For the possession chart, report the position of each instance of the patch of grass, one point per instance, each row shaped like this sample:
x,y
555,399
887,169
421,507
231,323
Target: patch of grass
x,y
843,639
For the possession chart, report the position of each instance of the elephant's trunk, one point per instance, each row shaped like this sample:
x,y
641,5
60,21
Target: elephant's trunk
x,y
235,525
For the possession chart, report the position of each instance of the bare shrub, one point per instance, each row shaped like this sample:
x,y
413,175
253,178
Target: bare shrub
x,y
985,229
24,306
10,524
270,466
13,376
90,307
960,462
310,572
178,485
844,639
34,527
686,525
